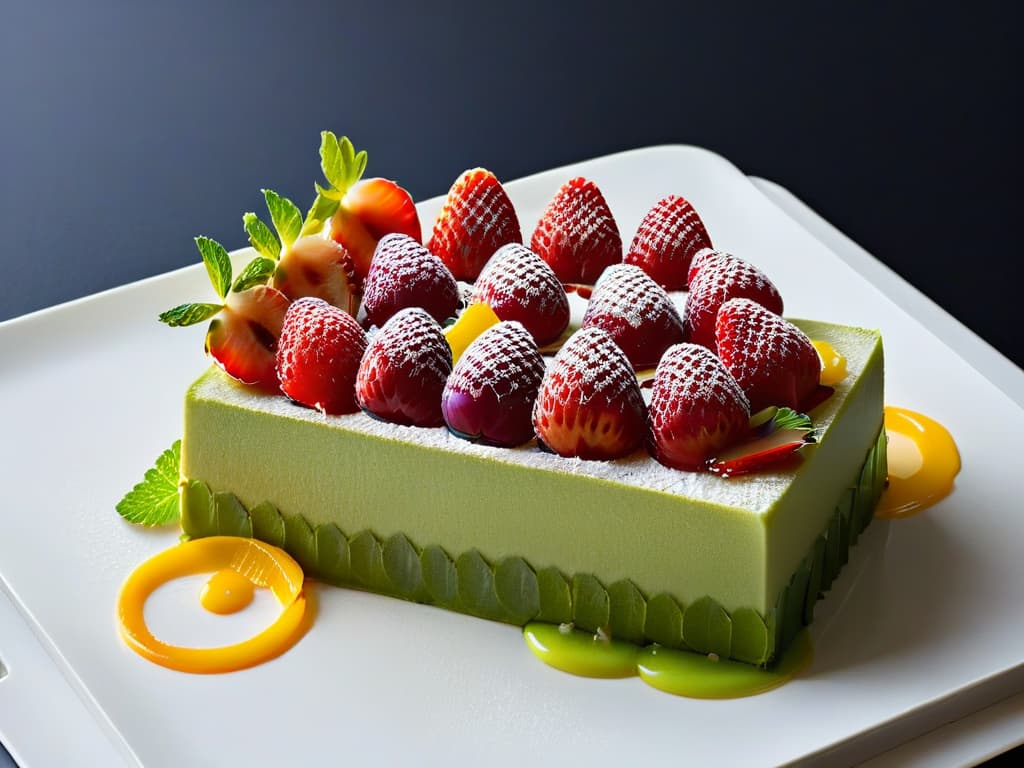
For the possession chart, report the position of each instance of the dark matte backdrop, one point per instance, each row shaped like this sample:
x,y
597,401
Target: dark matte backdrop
x,y
128,127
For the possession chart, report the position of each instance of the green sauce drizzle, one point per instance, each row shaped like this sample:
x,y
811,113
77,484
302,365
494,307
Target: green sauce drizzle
x,y
682,673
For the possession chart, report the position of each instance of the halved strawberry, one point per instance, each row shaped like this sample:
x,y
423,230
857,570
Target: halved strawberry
x,y
577,235
243,337
299,266
370,209
405,274
477,218
490,395
636,312
318,267
243,334
361,211
519,286
773,360
589,404
669,236
697,408
721,277
318,356
404,369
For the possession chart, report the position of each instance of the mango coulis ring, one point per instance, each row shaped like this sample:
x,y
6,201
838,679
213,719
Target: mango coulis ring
x,y
262,564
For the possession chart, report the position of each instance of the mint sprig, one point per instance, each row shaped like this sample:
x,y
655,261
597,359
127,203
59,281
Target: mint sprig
x,y
218,267
154,501
342,167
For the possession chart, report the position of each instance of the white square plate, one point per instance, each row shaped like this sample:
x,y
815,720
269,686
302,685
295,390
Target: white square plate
x,y
926,619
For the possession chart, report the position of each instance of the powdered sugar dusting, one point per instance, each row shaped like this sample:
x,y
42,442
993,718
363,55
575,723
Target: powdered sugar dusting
x,y
518,285
720,277
636,312
577,234
627,292
668,237
689,373
773,360
402,272
592,365
503,359
477,217
413,342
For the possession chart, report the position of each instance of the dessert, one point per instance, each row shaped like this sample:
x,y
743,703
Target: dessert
x,y
705,514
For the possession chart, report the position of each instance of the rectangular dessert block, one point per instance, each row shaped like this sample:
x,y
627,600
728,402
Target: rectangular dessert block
x,y
650,553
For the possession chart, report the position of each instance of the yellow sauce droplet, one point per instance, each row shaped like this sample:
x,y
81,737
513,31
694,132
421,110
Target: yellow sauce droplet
x,y
474,320
260,564
923,462
227,591
682,673
833,364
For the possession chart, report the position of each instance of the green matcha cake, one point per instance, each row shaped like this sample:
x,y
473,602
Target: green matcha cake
x,y
629,547
456,466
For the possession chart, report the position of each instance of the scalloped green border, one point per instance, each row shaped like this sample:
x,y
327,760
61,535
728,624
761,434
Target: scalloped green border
x,y
513,591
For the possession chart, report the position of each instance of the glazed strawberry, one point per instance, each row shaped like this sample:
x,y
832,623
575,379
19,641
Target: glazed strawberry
x,y
405,274
318,356
477,218
636,312
577,235
773,360
361,211
244,330
490,395
697,409
668,237
721,277
519,286
589,404
404,369
310,265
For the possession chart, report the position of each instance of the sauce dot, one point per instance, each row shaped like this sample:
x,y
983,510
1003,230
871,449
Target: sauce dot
x,y
833,364
226,591
922,460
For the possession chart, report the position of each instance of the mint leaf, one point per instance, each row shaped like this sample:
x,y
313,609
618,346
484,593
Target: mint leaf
x,y
286,216
332,162
348,159
358,166
321,210
256,272
218,264
262,239
189,314
787,418
341,164
154,501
